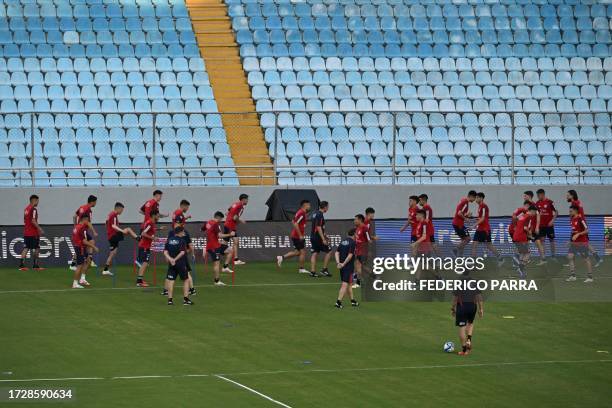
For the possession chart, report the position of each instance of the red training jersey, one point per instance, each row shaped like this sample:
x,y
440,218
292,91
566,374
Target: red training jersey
x,y
516,213
362,237
213,229
235,210
148,227
412,219
30,214
83,210
429,218
178,217
547,210
422,230
524,221
461,209
300,220
578,204
79,233
112,220
579,225
149,206
483,212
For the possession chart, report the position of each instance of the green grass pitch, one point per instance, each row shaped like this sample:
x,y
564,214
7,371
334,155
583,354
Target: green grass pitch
x,y
277,333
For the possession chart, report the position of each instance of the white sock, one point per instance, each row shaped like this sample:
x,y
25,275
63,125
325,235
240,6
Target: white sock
x,y
83,277
75,282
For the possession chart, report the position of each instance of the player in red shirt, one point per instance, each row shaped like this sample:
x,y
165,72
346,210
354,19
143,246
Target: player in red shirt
x,y
115,235
370,214
579,245
83,245
422,245
424,203
231,224
298,227
179,219
152,204
362,239
515,216
548,215
462,213
483,229
535,227
85,209
147,235
522,234
411,220
572,198
216,246
31,234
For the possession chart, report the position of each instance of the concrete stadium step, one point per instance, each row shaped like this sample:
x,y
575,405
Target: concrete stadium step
x,y
228,80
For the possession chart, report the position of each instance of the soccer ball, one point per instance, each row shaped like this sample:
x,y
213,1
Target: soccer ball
x,y
449,347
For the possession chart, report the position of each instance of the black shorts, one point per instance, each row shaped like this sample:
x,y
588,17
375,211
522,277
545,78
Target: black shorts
x,y
432,238
113,242
31,242
465,314
547,232
362,258
346,274
81,255
215,254
227,230
482,236
180,269
298,244
462,232
522,247
413,238
579,249
318,246
143,255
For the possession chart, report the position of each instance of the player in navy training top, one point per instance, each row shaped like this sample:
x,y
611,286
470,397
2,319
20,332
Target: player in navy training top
x,y
345,261
319,241
175,252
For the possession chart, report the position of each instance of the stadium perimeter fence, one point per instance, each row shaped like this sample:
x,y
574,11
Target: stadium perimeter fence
x,y
307,147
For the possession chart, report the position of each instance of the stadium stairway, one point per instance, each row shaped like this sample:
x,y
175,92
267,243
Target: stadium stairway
x,y
219,49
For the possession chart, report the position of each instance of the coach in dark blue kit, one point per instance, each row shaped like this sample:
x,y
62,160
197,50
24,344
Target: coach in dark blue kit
x,y
175,253
345,260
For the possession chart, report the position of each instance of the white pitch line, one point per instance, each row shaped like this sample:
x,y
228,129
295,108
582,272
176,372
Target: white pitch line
x,y
245,285
253,391
56,379
324,370
139,377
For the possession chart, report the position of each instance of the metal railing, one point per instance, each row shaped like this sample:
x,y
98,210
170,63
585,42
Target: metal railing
x,y
396,135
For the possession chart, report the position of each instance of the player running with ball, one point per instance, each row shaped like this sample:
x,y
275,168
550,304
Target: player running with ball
x,y
466,303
